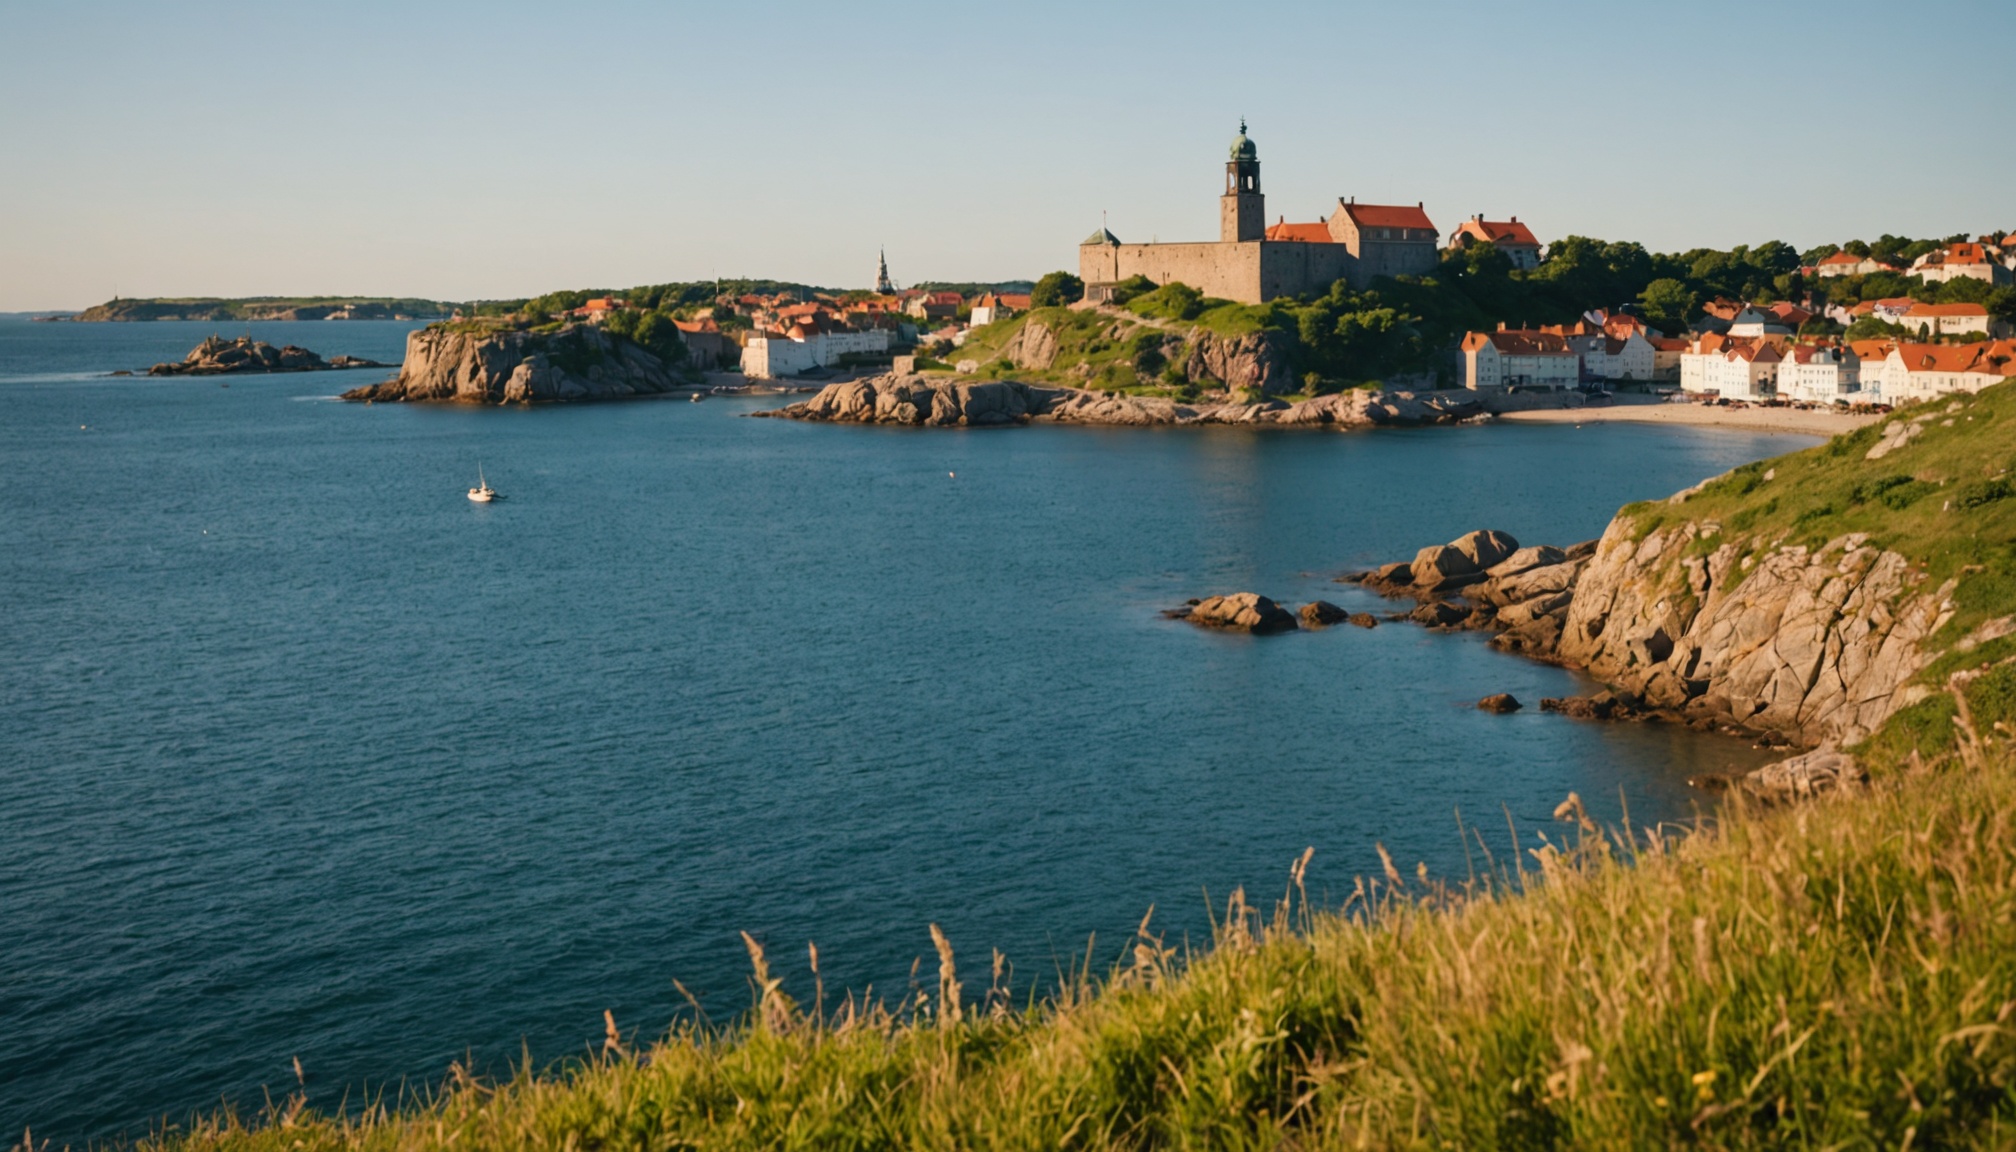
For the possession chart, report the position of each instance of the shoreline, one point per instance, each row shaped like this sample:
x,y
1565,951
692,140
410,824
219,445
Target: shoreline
x,y
1822,425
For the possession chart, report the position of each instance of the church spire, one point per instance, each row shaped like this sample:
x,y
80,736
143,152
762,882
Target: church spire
x,y
882,283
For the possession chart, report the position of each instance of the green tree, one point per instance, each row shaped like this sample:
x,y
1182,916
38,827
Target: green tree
x,y
1874,328
1669,304
1057,289
2002,304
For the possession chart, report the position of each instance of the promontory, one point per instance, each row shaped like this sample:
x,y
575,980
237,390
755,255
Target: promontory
x,y
477,363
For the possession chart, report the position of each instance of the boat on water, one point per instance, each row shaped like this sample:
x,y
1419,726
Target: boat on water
x,y
697,397
482,493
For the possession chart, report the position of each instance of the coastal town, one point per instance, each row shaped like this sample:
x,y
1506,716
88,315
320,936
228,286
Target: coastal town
x,y
1854,326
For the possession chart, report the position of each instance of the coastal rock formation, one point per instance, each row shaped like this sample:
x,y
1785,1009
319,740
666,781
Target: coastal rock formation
x,y
1809,774
942,402
1801,645
1241,612
1500,702
477,366
1322,614
1813,643
217,356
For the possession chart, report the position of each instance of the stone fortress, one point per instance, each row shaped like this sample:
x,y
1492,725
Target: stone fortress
x,y
1252,262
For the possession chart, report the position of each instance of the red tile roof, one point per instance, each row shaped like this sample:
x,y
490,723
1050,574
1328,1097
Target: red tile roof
x,y
1992,357
1388,216
1519,342
707,325
1317,233
1928,310
1017,301
1501,232
1841,258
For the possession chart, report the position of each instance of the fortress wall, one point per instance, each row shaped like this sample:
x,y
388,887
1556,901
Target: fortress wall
x,y
1397,258
1230,271
1291,268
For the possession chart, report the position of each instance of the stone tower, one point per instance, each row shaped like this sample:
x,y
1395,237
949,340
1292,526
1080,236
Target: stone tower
x,y
1242,211
882,283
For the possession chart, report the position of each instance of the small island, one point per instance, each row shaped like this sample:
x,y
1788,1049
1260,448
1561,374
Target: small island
x,y
217,356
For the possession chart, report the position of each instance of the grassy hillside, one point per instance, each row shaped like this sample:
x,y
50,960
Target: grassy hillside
x,y
1942,495
1839,975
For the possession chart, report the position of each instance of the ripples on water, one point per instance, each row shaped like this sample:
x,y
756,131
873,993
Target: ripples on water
x,y
301,753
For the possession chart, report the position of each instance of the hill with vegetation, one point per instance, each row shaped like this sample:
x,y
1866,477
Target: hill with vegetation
x,y
1837,974
1405,328
267,308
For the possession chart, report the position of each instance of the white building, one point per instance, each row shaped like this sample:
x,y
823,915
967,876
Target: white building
x,y
1946,319
1845,264
1733,369
1923,371
1956,261
1755,322
1609,358
1821,375
770,354
1508,358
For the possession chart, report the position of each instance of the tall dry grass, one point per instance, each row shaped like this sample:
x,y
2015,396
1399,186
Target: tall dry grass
x,y
1840,975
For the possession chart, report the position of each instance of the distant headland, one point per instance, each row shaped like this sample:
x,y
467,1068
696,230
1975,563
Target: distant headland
x,y
267,308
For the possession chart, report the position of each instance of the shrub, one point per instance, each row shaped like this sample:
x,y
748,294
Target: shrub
x,y
1057,289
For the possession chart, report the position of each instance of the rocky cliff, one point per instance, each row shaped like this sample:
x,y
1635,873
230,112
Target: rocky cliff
x,y
1815,643
476,366
937,401
1820,596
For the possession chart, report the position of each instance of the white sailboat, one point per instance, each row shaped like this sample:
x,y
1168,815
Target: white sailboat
x,y
482,493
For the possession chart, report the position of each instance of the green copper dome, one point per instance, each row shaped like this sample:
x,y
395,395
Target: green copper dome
x,y
1242,148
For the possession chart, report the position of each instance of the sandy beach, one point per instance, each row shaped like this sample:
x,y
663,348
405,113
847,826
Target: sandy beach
x,y
1806,423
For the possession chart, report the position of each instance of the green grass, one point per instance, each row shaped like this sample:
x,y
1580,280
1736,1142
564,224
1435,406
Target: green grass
x,y
1842,975
1092,355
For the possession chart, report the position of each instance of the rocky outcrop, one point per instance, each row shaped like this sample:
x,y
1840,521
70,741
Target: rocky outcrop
x,y
1799,645
1502,703
1815,644
1485,580
217,356
1804,776
1322,614
1257,361
1239,612
477,366
941,402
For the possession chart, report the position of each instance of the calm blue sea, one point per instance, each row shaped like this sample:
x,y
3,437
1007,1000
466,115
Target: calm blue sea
x,y
302,754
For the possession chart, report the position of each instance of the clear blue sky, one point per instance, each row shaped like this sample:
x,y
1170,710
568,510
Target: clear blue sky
x,y
461,149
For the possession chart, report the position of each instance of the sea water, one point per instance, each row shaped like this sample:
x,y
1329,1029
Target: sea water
x,y
303,754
